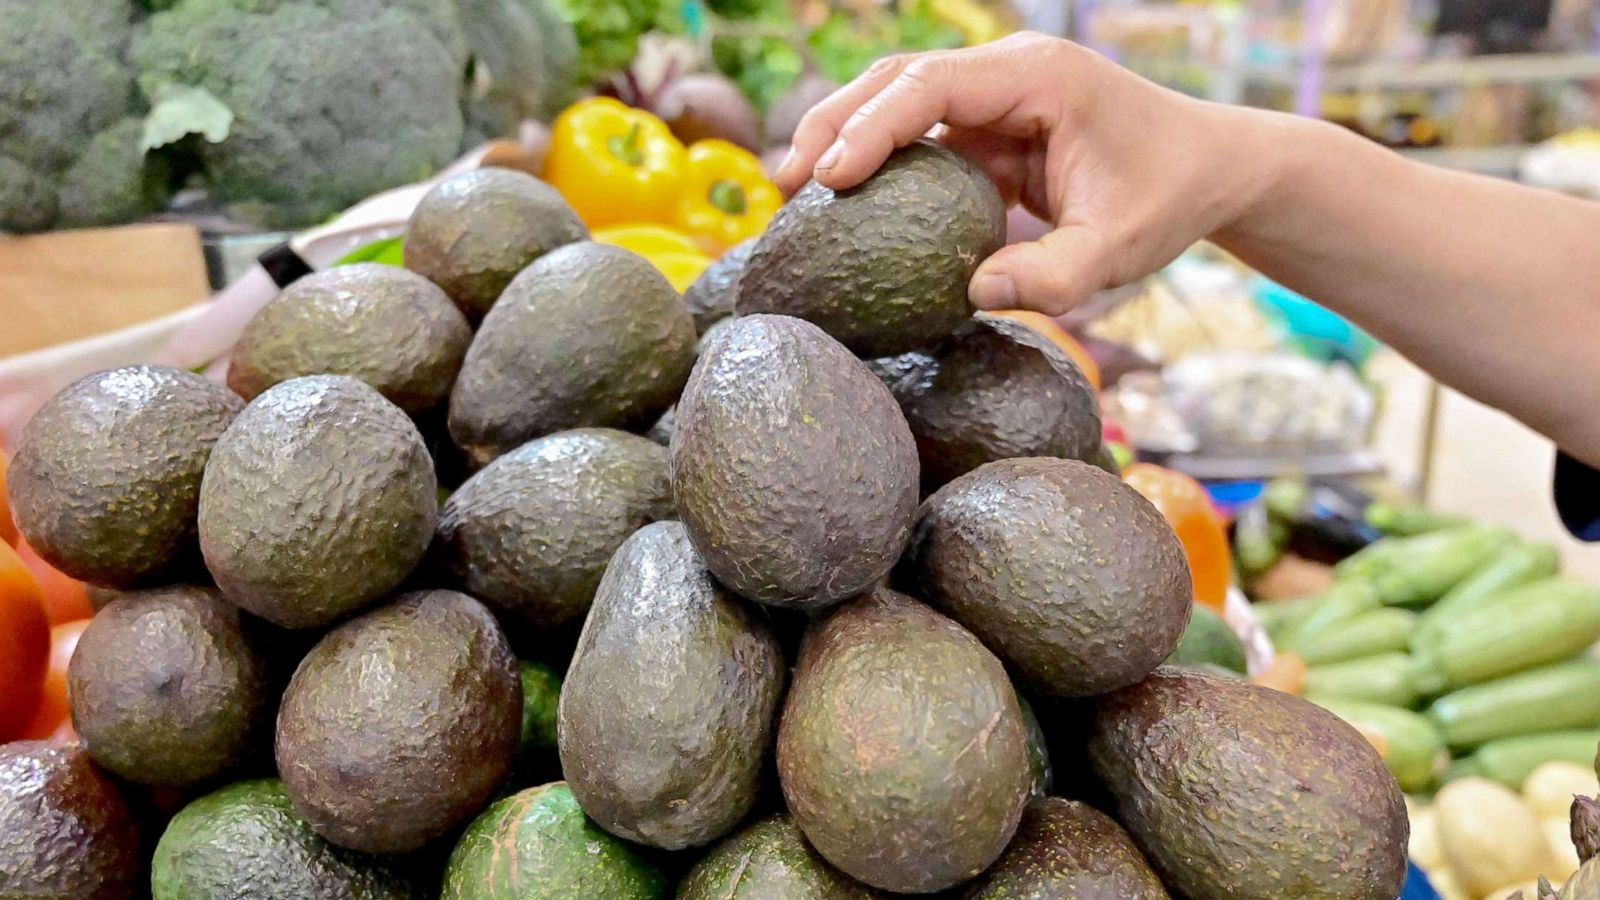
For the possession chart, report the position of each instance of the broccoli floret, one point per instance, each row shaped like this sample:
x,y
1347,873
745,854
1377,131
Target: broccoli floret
x,y
332,100
112,180
523,55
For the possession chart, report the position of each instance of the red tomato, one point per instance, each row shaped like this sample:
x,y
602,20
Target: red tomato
x,y
1188,509
24,644
52,720
65,598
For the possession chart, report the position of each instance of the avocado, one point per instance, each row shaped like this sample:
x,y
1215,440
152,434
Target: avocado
x,y
166,689
246,840
538,845
668,707
536,751
1235,790
473,232
589,335
65,830
531,533
391,328
106,478
997,389
883,266
769,859
792,466
1067,573
661,431
710,298
318,500
101,597
400,723
1043,776
1067,850
1209,641
902,751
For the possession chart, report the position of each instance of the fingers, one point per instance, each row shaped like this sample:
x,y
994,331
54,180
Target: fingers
x,y
1051,275
820,127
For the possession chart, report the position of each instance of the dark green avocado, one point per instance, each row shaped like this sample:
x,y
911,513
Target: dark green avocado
x,y
536,751
668,709
1067,850
1069,575
65,831
792,466
710,298
883,266
769,859
1241,791
1209,641
401,723
589,335
246,840
473,232
318,500
391,328
166,688
105,482
902,752
1038,752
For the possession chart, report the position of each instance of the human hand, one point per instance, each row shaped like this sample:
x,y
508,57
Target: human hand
x,y
1129,173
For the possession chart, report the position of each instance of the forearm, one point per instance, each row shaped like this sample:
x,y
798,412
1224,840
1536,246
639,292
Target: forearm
x,y
1491,286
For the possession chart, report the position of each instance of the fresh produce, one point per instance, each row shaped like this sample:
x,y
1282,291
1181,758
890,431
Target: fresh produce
x,y
524,61
1345,601
1410,746
588,335
1002,548
1188,508
1558,696
1207,640
1488,836
1435,562
8,525
1550,786
111,499
1391,678
1585,827
710,297
674,254
66,599
52,712
706,105
1519,564
883,268
1286,672
1039,766
725,196
1405,519
1047,327
1277,617
1378,631
1233,790
24,645
769,860
608,31
1511,761
1064,848
615,164
541,697
65,830
1542,622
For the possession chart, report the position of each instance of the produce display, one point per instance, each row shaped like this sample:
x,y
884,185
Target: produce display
x,y
374,637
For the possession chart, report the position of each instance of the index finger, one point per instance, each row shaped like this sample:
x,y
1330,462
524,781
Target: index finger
x,y
820,125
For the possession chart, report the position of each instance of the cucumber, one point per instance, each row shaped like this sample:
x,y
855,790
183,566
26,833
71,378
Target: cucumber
x,y
1539,623
1429,565
1407,519
1278,616
1379,631
1415,752
1389,678
1555,697
1519,564
1340,603
1511,760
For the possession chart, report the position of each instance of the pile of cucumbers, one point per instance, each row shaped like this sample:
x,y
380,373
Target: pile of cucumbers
x,y
1463,650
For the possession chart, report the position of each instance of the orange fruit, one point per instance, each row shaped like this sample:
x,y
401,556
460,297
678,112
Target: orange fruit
x,y
52,719
1188,509
1047,326
24,644
66,599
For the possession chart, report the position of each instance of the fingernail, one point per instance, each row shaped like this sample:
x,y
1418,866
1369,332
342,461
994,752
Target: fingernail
x,y
832,157
993,292
788,160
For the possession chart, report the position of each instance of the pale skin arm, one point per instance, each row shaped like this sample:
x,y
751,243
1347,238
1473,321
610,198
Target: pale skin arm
x,y
1491,286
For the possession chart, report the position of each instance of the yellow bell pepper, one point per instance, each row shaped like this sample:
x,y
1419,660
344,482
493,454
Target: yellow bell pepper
x,y
614,163
669,250
727,196
681,269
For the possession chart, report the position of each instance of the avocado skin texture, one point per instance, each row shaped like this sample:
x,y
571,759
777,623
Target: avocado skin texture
x,y
105,482
669,704
902,751
167,689
710,298
792,466
883,266
532,532
318,500
391,328
769,860
472,233
64,828
1067,850
589,335
245,840
995,390
538,845
1236,790
400,723
1075,580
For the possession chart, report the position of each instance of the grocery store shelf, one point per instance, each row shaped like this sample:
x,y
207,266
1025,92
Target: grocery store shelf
x,y
1517,68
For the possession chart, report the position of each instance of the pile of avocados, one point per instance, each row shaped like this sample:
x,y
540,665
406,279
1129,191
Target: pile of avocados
x,y
413,607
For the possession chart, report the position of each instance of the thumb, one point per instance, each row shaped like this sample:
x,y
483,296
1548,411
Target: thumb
x,y
1051,275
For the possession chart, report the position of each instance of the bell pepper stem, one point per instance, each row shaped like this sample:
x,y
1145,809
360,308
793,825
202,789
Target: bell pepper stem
x,y
626,146
727,195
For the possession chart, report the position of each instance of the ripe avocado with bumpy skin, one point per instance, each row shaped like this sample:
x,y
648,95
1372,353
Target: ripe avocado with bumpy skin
x,y
318,499
997,389
792,466
1067,850
668,707
589,335
64,828
391,328
166,688
1069,575
246,840
902,751
882,266
538,845
769,860
105,482
475,231
1236,790
710,298
400,723
531,533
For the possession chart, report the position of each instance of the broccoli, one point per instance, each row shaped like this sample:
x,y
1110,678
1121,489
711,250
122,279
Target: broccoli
x,y
523,56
